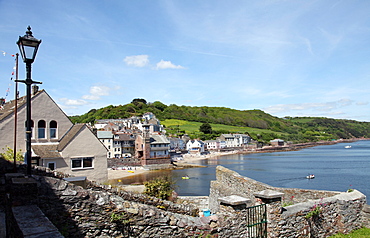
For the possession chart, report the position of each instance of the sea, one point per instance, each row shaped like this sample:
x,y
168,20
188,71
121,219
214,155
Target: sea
x,y
336,168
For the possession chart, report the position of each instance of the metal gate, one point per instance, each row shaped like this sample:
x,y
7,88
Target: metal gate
x,y
257,221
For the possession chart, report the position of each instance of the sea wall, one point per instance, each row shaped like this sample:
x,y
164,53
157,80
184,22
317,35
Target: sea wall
x,y
312,213
229,182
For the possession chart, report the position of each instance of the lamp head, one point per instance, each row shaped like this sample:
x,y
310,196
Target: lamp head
x,y
28,46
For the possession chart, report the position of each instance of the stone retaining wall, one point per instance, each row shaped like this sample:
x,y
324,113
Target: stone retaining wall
x,y
105,211
101,211
336,211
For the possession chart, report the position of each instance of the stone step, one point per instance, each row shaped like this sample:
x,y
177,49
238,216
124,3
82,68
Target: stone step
x,y
2,224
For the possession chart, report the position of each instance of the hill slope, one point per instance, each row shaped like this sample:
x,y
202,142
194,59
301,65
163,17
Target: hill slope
x,y
298,129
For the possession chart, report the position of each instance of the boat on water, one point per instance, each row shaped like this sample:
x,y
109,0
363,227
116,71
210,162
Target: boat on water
x,y
347,146
310,176
185,177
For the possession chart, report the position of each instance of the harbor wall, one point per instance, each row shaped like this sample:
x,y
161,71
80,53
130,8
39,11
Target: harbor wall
x,y
298,212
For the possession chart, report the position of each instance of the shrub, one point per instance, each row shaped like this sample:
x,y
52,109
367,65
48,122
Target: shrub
x,y
161,187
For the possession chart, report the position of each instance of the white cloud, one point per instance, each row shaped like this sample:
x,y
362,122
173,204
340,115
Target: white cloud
x,y
167,65
362,103
323,107
137,60
91,97
96,92
73,102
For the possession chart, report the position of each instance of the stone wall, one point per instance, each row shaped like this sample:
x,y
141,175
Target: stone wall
x,y
103,211
334,211
229,182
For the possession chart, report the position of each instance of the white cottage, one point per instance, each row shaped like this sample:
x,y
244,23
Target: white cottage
x,y
195,146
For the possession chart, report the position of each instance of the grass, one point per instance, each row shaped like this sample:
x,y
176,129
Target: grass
x,y
191,127
360,233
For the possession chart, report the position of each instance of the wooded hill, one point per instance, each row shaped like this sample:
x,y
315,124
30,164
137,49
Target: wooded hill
x,y
260,125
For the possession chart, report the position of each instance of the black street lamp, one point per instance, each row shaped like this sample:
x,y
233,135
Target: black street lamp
x,y
28,46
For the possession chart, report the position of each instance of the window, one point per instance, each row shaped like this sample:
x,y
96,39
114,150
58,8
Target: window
x,y
41,129
82,163
53,129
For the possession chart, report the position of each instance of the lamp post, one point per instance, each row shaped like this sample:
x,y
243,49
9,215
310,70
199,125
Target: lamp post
x,y
28,46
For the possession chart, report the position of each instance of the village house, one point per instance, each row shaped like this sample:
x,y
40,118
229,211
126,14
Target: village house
x,y
177,144
195,146
235,140
106,137
152,149
123,145
277,142
214,144
55,141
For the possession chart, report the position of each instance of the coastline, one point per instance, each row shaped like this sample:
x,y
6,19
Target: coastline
x,y
190,160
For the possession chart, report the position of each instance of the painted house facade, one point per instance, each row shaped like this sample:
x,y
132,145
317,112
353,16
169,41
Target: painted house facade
x,y
59,144
152,149
235,140
123,145
195,146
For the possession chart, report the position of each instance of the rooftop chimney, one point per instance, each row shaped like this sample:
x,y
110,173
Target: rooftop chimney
x,y
35,89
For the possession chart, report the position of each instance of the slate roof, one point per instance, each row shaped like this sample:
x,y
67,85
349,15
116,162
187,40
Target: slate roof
x,y
124,137
46,151
52,150
9,107
70,135
159,139
104,134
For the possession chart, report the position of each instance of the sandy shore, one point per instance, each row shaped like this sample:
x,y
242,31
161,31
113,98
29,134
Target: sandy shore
x,y
116,174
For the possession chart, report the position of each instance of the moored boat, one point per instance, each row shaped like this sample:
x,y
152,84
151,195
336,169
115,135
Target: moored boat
x,y
310,176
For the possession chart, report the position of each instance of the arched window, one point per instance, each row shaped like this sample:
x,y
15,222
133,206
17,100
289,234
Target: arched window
x,y
53,129
41,125
32,126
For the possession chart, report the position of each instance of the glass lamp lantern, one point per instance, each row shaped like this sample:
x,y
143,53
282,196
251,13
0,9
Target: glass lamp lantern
x,y
28,46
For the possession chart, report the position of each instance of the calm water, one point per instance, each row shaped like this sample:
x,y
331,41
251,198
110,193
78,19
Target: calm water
x,y
335,168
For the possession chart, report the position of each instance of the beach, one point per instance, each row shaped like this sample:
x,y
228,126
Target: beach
x,y
189,160
120,173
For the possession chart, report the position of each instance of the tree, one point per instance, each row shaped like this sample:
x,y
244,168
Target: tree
x,y
136,101
206,128
160,106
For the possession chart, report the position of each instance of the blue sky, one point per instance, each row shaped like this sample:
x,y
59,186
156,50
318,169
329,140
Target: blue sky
x,y
287,58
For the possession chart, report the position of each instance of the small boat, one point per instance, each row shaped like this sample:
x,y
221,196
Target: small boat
x,y
310,176
130,171
347,146
185,177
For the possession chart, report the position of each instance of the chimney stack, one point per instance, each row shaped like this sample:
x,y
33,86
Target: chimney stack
x,y
35,89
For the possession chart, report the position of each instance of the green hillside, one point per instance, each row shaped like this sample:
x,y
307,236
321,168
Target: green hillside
x,y
260,125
